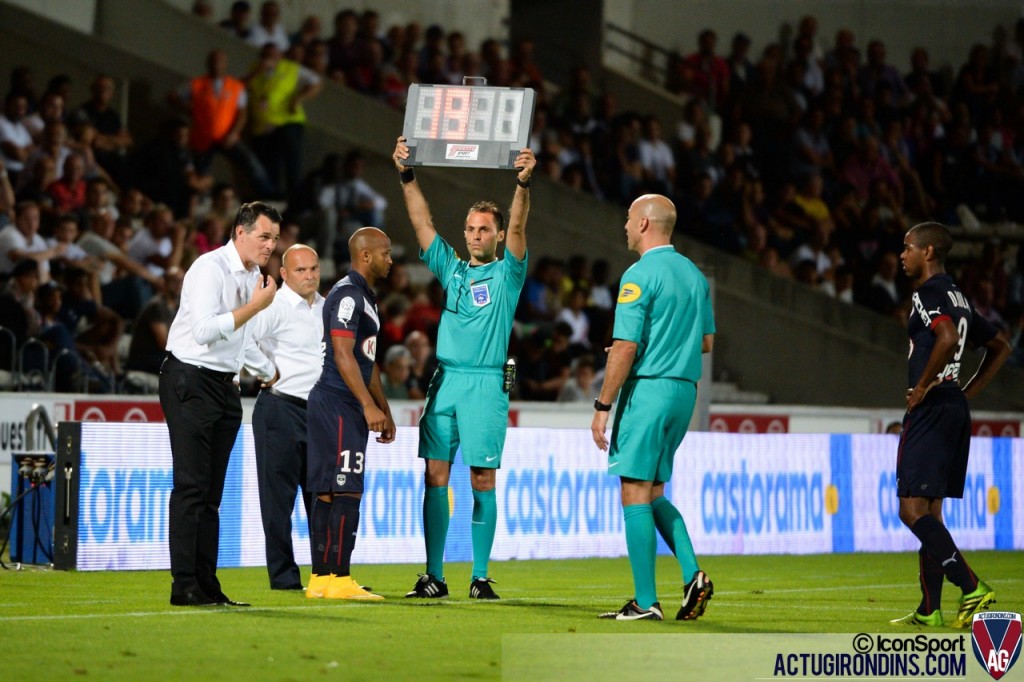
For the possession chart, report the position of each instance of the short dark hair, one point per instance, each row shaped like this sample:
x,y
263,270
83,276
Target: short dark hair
x,y
489,207
24,267
935,235
249,213
562,328
23,206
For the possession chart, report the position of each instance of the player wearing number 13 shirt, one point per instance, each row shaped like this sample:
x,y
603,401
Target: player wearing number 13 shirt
x,y
931,463
346,403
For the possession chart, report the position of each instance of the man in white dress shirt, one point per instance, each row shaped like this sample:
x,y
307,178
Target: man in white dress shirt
x,y
290,335
207,345
21,240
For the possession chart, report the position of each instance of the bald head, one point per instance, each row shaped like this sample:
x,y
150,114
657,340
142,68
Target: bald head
x,y
659,210
297,247
370,251
300,271
365,239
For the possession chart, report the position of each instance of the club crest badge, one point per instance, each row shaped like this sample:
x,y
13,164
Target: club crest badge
x,y
481,294
346,308
996,637
341,478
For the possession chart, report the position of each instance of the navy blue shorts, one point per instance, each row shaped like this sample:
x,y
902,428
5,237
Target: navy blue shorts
x,y
336,437
934,447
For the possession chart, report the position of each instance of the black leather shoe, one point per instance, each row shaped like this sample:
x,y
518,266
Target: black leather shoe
x,y
293,586
192,599
222,600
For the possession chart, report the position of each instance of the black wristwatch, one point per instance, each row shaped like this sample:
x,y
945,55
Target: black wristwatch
x,y
602,407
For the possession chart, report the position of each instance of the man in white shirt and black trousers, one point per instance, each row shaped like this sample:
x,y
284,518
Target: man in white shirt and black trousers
x,y
290,335
207,346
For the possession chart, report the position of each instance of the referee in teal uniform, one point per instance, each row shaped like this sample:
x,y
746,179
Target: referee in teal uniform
x,y
663,323
466,404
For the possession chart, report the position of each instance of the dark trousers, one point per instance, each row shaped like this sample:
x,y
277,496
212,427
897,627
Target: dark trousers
x,y
243,159
281,150
279,435
203,412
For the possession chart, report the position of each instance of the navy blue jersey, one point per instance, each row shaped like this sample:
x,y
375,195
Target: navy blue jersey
x,y
351,311
940,299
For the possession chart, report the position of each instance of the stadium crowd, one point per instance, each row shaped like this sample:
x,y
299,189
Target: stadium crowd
x,y
809,159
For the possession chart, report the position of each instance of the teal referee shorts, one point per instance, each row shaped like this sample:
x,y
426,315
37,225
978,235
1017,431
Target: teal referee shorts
x,y
652,418
465,407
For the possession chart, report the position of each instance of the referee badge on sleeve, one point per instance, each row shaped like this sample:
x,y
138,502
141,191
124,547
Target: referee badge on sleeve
x,y
481,294
629,293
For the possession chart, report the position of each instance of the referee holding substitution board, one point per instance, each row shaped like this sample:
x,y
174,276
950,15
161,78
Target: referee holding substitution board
x,y
467,401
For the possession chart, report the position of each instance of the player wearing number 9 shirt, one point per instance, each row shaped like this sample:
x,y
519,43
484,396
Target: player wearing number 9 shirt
x,y
931,463
346,403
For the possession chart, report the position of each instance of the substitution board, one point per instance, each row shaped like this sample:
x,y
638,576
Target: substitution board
x,y
468,126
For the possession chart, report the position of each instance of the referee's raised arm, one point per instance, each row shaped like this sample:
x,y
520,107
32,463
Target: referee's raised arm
x,y
515,239
415,202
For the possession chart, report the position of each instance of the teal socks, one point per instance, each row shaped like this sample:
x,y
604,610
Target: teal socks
x,y
673,531
436,516
642,547
485,523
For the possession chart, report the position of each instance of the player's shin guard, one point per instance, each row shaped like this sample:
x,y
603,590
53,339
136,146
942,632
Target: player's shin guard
x,y
931,582
319,519
436,516
673,531
485,523
343,526
642,547
939,544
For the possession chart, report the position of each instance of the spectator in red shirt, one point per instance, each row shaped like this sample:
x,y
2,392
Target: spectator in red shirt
x,y
68,193
425,313
710,73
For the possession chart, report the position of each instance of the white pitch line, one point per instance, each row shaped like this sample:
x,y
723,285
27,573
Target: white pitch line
x,y
188,611
509,599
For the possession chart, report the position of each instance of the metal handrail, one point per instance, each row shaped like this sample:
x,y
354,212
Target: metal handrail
x,y
13,344
39,413
83,369
636,38
641,52
22,374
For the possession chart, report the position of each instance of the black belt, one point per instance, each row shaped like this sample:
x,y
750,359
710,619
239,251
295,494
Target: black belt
x,y
287,398
217,374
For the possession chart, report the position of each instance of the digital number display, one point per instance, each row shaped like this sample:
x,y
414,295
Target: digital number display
x,y
493,122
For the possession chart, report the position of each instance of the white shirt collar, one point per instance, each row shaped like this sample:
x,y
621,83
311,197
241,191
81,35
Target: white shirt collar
x,y
235,263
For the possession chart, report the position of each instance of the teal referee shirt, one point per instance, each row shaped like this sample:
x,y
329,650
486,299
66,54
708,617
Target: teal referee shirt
x,y
480,302
664,306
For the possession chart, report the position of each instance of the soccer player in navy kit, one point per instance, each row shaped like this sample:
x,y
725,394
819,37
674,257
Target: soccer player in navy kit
x,y
346,403
466,405
932,460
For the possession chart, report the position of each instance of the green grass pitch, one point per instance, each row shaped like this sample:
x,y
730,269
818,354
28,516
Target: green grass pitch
x,y
119,625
